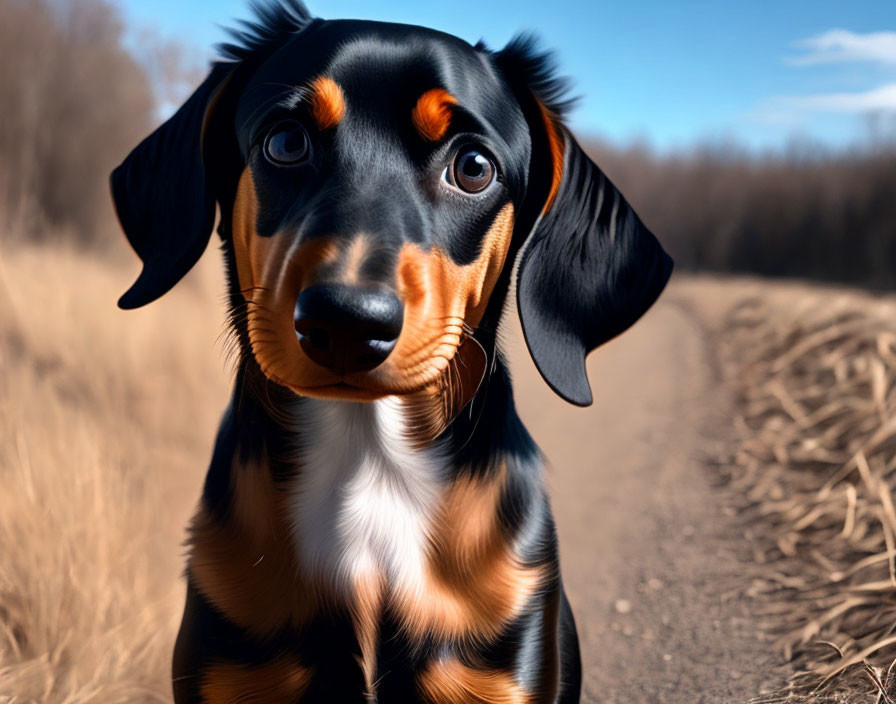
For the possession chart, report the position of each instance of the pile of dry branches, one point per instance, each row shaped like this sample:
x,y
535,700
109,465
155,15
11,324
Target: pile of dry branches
x,y
817,465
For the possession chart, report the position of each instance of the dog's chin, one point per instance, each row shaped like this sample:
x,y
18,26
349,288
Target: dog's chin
x,y
432,396
358,386
341,391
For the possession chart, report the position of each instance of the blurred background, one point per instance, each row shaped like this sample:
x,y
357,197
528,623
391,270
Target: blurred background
x,y
752,137
755,139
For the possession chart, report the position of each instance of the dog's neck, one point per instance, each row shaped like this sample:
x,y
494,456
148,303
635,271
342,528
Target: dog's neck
x,y
363,499
360,485
486,431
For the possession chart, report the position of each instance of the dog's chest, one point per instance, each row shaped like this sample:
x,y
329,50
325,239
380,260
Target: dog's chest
x,y
362,503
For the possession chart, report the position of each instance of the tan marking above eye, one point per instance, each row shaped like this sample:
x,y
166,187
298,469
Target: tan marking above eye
x,y
432,114
327,102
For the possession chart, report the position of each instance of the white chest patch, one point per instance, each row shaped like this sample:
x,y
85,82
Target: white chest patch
x,y
363,499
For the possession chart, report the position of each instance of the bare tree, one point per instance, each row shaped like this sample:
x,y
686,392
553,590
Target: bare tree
x,y
74,101
805,211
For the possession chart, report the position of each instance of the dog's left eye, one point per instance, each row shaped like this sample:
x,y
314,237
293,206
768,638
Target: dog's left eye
x,y
471,171
287,143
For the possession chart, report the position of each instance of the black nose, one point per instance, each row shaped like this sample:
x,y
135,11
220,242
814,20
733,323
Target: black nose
x,y
347,329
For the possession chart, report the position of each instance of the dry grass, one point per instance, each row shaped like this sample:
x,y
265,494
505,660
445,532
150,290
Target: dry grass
x,y
106,420
816,376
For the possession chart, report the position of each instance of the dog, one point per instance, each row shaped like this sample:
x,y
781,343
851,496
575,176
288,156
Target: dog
x,y
374,525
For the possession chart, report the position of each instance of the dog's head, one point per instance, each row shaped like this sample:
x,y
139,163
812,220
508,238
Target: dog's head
x,y
376,184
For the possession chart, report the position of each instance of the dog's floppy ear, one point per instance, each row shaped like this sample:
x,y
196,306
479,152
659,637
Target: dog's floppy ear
x,y
163,197
589,268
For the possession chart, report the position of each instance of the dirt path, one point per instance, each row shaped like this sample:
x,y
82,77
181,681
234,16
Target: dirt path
x,y
651,558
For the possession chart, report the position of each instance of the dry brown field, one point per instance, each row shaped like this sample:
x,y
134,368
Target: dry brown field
x,y
734,472
106,421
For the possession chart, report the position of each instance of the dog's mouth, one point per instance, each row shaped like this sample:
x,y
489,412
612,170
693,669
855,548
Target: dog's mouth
x,y
439,364
433,385
357,341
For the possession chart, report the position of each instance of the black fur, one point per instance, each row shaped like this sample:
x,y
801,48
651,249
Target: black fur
x,y
164,200
590,268
275,23
612,271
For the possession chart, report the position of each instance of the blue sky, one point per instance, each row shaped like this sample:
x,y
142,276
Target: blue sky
x,y
668,72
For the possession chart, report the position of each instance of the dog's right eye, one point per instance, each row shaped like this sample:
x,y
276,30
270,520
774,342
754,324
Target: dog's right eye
x,y
287,143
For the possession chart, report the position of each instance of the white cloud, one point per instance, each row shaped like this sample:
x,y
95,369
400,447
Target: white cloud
x,y
800,110
836,46
882,99
831,47
841,45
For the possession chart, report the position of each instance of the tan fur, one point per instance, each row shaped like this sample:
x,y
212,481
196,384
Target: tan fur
x,y
327,102
429,411
367,608
556,146
272,271
354,260
282,680
260,260
440,298
432,114
448,681
475,582
455,289
246,566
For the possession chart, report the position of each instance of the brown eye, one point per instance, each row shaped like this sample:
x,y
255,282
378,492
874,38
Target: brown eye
x,y
472,171
287,143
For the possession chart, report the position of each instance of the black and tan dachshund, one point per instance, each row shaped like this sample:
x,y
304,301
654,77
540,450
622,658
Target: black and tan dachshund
x,y
374,525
